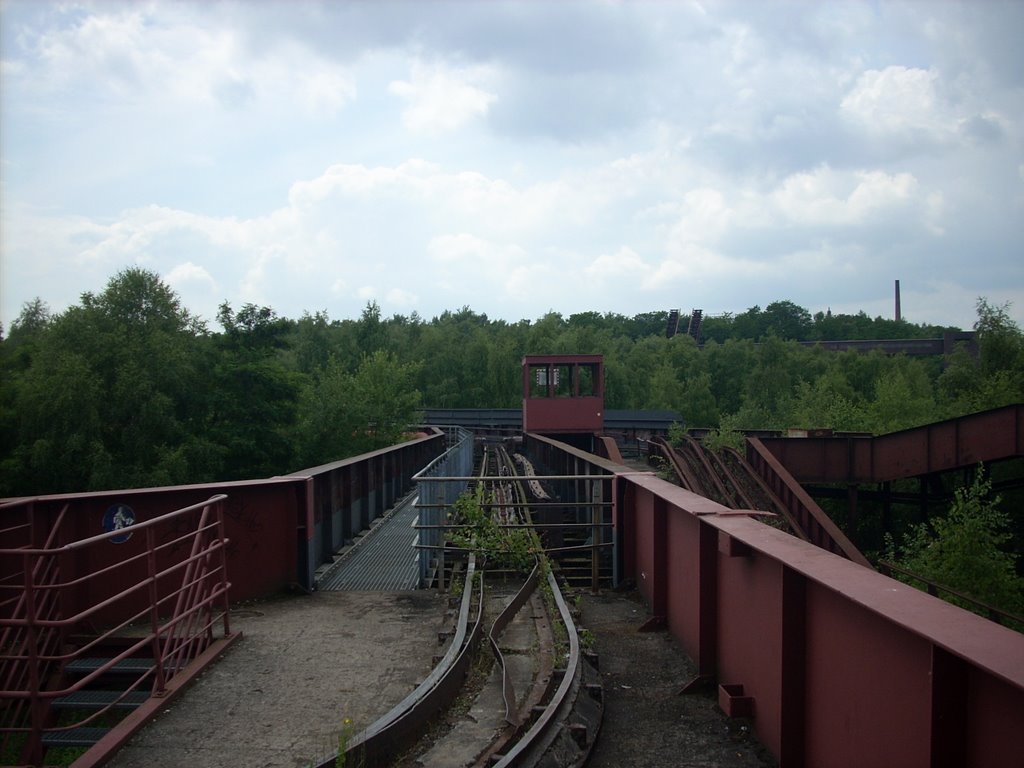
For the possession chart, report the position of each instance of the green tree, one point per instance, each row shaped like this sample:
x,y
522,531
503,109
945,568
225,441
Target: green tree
x,y
903,398
767,401
999,338
996,376
344,414
967,549
828,402
730,365
311,342
251,395
106,396
787,320
371,333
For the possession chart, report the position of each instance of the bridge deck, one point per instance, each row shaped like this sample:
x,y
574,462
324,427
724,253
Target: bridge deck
x,y
384,560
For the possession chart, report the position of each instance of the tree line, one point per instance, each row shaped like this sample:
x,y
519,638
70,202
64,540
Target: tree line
x,y
128,389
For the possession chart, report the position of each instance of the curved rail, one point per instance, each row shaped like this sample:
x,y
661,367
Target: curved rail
x,y
497,627
549,725
395,731
531,730
545,729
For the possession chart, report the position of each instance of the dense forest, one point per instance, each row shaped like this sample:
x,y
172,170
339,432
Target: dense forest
x,y
127,388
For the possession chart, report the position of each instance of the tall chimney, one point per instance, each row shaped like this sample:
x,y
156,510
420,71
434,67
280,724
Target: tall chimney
x,y
898,316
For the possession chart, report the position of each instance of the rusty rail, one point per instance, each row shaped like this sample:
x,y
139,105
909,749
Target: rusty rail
x,y
809,519
773,499
178,593
498,626
395,731
689,480
536,740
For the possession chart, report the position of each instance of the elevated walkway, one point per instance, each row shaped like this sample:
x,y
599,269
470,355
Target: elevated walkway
x,y
385,559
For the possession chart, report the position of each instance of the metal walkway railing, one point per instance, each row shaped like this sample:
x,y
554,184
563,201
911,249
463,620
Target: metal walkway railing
x,y
440,484
152,593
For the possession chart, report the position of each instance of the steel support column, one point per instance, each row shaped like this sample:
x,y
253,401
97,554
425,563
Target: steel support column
x,y
949,710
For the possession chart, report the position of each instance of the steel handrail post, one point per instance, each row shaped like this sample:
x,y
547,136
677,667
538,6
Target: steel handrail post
x,y
204,604
197,593
37,707
223,564
159,684
175,642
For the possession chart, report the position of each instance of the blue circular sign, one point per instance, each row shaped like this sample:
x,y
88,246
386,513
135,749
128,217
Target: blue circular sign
x,y
119,518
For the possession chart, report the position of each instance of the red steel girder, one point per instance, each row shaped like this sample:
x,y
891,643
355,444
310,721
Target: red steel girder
x,y
945,445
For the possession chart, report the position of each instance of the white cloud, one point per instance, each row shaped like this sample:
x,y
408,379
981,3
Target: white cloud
x,y
159,56
401,298
831,198
183,274
466,251
611,268
441,99
537,283
289,155
896,99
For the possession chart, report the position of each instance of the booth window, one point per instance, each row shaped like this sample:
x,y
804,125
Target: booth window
x,y
538,380
587,380
563,380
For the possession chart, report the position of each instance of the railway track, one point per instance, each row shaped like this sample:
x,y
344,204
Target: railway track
x,y
514,687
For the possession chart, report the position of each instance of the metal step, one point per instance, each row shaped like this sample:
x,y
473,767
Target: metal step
x,y
101,699
74,737
88,664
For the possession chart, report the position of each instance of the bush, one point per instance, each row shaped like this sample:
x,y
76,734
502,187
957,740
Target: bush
x,y
965,550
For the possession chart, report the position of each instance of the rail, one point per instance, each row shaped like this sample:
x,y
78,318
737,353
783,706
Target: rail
x,y
935,589
158,589
544,729
396,730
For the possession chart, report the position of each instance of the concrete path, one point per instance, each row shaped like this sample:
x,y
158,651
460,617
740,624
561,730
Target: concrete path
x,y
277,699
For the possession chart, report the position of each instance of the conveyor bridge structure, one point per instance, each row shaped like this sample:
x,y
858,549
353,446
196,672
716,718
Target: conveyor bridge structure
x,y
833,663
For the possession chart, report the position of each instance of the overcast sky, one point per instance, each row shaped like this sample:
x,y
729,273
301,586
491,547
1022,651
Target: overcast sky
x,y
516,157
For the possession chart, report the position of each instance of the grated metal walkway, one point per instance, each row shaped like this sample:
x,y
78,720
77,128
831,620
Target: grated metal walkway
x,y
385,560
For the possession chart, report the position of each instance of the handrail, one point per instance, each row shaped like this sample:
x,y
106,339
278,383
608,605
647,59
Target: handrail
x,y
933,588
181,595
18,671
82,543
108,602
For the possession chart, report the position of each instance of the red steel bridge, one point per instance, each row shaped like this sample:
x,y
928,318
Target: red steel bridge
x,y
835,663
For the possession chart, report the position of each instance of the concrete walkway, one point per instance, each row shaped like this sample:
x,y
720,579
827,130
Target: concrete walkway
x,y
278,697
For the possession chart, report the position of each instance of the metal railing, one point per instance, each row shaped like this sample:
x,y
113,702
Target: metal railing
x,y
439,485
936,589
154,591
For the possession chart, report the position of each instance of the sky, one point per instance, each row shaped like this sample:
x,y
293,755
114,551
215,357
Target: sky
x,y
516,158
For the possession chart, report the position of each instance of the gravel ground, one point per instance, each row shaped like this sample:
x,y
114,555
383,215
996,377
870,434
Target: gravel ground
x,y
277,698
646,723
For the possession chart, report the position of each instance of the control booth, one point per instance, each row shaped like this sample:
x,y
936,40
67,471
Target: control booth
x,y
563,396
